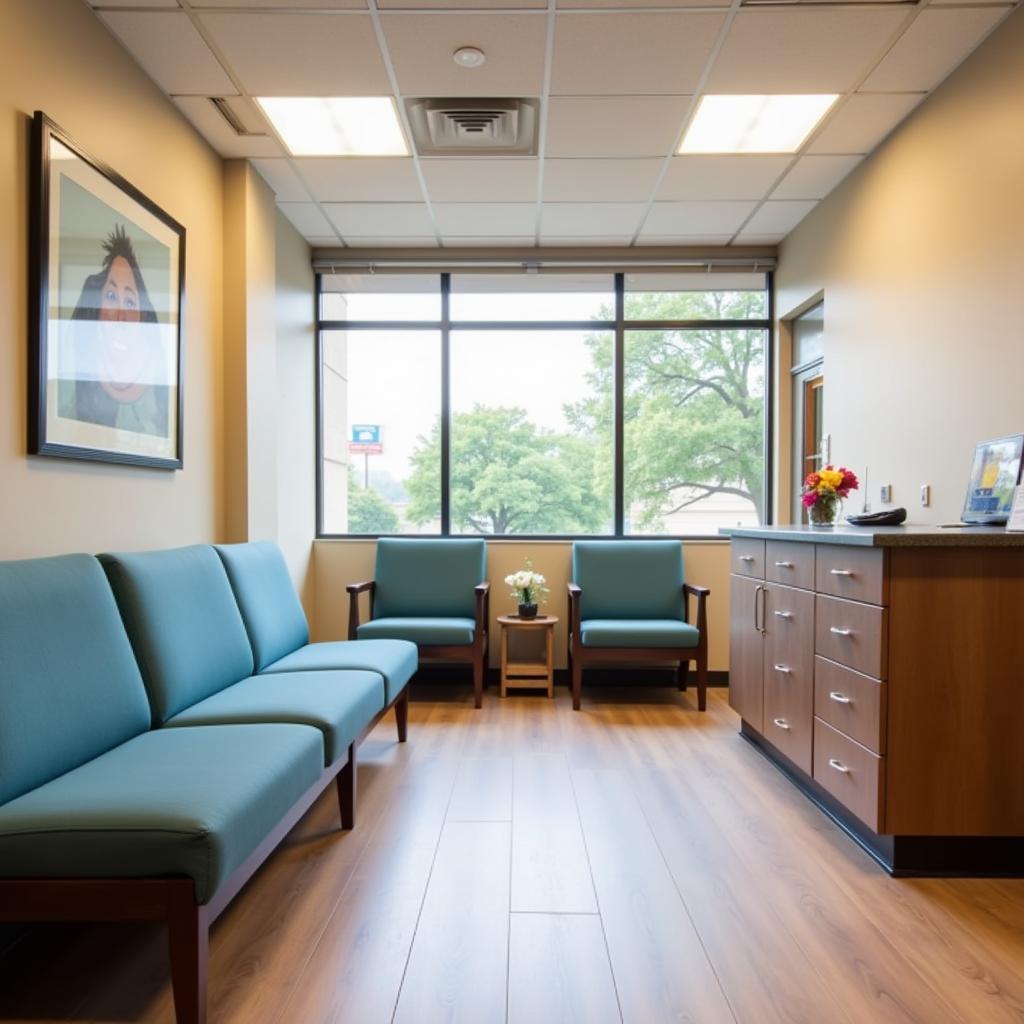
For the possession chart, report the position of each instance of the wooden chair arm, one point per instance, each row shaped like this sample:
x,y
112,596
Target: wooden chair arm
x,y
702,594
354,590
483,605
575,596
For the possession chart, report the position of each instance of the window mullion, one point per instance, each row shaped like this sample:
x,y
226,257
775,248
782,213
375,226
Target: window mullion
x,y
446,407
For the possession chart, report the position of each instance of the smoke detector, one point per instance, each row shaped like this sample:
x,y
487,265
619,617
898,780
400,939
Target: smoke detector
x,y
474,127
469,57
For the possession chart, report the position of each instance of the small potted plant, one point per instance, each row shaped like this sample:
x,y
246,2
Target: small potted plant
x,y
824,492
528,588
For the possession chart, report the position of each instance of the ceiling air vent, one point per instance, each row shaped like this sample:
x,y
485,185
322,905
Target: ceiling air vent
x,y
473,127
233,118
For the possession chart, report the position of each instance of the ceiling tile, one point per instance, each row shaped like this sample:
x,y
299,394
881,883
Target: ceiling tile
x,y
779,217
479,5
760,239
390,242
171,51
496,219
476,241
716,218
684,239
863,121
324,240
591,218
586,241
301,54
492,179
933,45
602,181
285,183
813,177
283,5
212,126
632,54
361,179
721,177
782,50
376,219
422,45
133,3
614,125
567,5
307,218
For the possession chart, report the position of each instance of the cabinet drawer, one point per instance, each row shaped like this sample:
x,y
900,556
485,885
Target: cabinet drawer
x,y
790,562
850,772
789,672
748,557
854,573
850,702
854,634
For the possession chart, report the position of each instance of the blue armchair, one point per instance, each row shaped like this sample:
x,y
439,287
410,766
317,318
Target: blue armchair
x,y
432,592
628,603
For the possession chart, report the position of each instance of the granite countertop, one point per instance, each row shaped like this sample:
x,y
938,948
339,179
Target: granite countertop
x,y
887,536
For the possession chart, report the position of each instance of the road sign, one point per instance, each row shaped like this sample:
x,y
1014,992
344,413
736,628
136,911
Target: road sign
x,y
365,449
366,433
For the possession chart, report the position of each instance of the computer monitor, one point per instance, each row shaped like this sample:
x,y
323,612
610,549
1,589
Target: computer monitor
x,y
995,473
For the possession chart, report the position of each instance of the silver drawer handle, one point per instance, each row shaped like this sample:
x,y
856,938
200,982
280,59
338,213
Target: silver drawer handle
x,y
783,565
838,765
841,572
840,632
781,723
784,615
840,698
746,558
783,668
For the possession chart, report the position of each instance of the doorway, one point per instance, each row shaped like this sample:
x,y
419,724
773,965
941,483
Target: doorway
x,y
809,443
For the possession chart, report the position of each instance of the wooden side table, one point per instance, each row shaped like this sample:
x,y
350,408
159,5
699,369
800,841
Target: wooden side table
x,y
517,675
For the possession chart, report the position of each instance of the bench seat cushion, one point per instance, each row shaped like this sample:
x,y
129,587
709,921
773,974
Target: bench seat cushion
x,y
638,633
395,660
339,704
192,802
420,630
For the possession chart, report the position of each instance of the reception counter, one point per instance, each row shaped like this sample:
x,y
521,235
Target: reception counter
x,y
883,670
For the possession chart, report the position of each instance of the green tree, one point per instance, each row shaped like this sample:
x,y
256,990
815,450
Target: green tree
x,y
368,512
694,403
508,476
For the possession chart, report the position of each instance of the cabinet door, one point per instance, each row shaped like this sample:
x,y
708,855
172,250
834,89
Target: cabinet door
x,y
789,672
746,650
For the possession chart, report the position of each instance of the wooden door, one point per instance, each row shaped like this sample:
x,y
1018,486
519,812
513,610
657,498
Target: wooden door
x,y
746,650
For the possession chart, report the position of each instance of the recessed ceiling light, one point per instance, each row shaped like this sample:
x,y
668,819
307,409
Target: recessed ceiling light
x,y
469,57
336,125
754,124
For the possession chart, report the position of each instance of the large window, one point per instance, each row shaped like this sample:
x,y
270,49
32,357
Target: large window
x,y
552,404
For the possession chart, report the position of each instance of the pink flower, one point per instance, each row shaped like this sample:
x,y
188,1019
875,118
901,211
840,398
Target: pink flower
x,y
809,499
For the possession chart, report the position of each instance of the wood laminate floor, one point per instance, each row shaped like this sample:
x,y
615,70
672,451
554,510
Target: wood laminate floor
x,y
637,862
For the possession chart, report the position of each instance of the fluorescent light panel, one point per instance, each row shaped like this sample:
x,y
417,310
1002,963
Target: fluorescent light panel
x,y
754,124
336,125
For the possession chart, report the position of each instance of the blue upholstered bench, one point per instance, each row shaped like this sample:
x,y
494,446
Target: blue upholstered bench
x,y
145,771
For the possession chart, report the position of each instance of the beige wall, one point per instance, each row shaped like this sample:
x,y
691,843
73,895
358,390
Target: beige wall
x,y
348,561
296,406
919,255
56,56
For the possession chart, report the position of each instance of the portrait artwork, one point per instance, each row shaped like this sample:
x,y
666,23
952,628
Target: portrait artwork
x,y
106,316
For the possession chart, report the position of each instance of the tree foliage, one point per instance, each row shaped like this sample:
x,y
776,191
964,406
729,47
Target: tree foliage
x,y
508,476
368,512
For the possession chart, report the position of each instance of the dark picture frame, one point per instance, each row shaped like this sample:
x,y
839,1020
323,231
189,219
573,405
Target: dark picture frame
x,y
106,312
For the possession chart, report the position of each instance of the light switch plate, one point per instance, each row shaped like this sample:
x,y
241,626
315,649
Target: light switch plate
x,y
885,494
926,495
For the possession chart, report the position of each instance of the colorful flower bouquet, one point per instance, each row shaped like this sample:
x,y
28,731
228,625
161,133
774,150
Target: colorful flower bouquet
x,y
528,588
824,490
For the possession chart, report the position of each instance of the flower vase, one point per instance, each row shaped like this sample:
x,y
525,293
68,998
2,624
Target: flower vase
x,y
826,511
527,611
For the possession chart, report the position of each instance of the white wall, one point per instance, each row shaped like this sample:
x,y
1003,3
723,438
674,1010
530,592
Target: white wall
x,y
920,255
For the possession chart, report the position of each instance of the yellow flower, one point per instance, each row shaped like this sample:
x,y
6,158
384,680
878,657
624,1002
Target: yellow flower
x,y
831,479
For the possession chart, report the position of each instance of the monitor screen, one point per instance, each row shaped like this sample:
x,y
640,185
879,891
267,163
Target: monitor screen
x,y
995,473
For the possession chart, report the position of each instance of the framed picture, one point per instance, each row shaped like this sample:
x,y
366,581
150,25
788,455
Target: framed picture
x,y
107,269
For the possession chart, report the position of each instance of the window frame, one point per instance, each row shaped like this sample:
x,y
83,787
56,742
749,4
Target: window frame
x,y
618,327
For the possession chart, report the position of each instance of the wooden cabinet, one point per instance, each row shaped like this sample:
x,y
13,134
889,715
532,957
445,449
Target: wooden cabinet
x,y
885,674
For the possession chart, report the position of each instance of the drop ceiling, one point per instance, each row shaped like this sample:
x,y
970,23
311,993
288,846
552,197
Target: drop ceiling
x,y
618,81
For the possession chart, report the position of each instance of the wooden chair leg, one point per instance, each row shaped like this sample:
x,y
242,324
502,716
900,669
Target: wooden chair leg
x,y
577,682
682,675
346,782
478,679
188,941
402,714
702,681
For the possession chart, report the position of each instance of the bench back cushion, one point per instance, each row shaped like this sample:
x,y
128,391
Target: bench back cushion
x,y
183,623
263,588
428,577
639,579
70,688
